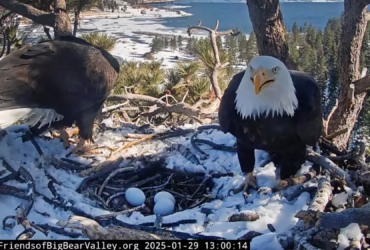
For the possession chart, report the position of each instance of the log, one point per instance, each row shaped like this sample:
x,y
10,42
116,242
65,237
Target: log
x,y
92,230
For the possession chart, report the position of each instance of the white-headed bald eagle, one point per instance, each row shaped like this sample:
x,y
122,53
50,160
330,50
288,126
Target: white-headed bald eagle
x,y
56,83
270,108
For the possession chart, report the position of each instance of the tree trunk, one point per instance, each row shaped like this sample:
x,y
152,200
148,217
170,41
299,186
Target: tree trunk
x,y
75,24
62,22
350,101
270,30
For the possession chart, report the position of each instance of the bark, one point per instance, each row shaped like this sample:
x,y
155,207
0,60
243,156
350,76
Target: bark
x,y
62,25
92,230
59,20
36,15
268,25
351,96
75,24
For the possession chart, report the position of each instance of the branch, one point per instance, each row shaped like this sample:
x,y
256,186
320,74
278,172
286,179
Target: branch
x,y
36,15
94,231
179,108
362,85
339,219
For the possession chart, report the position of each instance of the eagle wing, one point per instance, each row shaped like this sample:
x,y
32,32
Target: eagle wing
x,y
309,113
227,111
64,76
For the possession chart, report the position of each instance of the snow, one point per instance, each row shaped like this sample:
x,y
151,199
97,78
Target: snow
x,y
272,207
351,232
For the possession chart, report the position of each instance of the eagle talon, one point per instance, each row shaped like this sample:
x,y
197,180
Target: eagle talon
x,y
83,146
250,181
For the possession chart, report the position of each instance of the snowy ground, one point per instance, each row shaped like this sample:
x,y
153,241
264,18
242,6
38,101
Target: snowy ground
x,y
272,207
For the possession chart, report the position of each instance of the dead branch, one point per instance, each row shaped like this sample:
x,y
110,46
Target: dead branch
x,y
117,106
60,231
329,165
101,170
293,181
184,151
340,219
322,196
244,216
114,214
213,34
162,107
336,133
326,122
155,136
114,173
94,231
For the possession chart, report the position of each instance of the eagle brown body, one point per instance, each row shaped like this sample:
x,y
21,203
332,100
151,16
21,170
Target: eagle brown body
x,y
68,76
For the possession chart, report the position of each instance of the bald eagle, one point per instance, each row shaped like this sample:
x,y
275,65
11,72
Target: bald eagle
x,y
271,108
55,84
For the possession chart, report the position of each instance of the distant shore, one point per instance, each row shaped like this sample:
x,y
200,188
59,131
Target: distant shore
x,y
156,1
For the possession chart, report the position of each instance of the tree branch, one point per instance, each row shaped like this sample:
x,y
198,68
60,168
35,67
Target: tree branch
x,y
36,15
179,108
218,66
362,85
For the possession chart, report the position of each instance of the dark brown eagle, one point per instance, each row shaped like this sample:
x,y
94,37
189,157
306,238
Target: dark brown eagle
x,y
270,108
55,84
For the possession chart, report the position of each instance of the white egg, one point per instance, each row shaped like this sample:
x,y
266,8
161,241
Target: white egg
x,y
135,196
164,207
164,195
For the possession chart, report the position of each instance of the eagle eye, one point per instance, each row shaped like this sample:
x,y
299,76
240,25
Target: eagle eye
x,y
275,70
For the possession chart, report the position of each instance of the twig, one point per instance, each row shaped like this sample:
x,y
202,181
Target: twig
x,y
114,214
29,137
156,136
114,173
160,186
184,151
215,145
26,175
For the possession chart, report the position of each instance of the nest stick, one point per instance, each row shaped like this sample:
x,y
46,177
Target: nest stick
x,y
114,173
322,196
114,214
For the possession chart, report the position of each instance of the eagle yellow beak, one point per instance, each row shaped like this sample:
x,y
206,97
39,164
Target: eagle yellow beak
x,y
261,80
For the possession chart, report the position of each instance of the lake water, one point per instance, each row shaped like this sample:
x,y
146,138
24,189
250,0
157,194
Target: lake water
x,y
232,15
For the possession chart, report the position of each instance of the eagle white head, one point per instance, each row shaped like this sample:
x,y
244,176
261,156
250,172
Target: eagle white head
x,y
266,88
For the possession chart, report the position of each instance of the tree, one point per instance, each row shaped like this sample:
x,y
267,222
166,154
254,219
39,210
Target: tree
x,y
59,19
252,50
173,43
179,40
77,6
271,39
157,45
268,25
